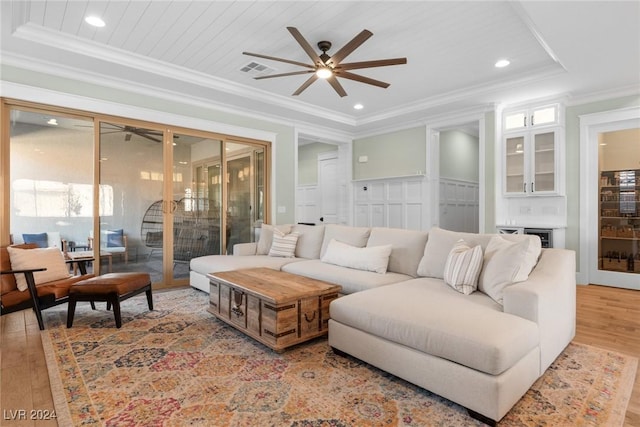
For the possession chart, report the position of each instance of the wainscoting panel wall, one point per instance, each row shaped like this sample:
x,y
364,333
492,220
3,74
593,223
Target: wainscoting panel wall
x,y
459,205
391,202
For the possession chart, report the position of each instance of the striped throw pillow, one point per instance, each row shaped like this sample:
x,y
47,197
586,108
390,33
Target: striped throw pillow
x,y
463,267
283,245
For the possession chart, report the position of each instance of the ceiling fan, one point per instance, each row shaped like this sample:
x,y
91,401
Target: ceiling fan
x,y
152,135
331,67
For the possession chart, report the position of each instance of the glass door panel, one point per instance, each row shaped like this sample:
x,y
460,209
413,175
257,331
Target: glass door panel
x,y
132,211
245,184
544,161
619,202
197,192
515,163
51,179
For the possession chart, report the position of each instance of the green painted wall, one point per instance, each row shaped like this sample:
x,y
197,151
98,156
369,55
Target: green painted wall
x,y
459,155
308,161
572,141
284,163
398,153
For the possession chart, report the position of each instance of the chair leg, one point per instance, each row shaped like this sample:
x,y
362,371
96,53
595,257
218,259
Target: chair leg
x,y
31,285
149,299
71,311
108,305
116,311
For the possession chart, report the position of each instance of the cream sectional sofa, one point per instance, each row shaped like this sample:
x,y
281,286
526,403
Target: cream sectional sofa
x,y
483,352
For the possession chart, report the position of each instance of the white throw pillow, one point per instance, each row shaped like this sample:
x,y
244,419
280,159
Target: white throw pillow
x,y
284,245
505,263
266,237
373,258
463,266
50,258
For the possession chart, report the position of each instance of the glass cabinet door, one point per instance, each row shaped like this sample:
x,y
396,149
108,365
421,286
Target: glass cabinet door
x,y
544,162
515,164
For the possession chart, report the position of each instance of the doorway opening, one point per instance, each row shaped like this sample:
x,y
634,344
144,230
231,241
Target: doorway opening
x,y
323,168
457,175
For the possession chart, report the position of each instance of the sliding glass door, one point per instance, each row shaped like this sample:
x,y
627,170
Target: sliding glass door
x,y
137,196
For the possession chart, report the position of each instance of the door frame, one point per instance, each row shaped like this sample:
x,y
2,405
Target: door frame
x,y
591,125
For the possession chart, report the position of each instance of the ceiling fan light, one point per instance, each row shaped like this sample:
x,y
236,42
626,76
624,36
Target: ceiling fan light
x,y
324,72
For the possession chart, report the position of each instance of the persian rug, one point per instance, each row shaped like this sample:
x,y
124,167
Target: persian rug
x,y
178,366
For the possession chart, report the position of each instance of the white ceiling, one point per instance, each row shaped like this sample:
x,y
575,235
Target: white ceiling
x,y
576,49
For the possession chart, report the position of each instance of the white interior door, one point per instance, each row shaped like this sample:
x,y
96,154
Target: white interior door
x,y
328,191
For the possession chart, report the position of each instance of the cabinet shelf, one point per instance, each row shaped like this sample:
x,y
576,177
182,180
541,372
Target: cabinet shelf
x,y
619,238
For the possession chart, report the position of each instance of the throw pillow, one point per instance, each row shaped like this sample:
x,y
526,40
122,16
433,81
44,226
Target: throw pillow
x,y
310,241
39,239
284,245
439,244
372,258
505,263
115,238
50,258
266,237
354,236
463,266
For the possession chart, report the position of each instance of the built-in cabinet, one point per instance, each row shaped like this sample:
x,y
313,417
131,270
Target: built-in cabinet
x,y
619,248
532,152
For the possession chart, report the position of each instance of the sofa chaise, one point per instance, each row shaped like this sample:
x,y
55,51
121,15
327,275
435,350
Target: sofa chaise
x,y
480,347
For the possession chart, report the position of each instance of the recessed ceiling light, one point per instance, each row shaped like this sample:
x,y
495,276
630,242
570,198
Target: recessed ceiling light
x,y
94,21
358,106
502,63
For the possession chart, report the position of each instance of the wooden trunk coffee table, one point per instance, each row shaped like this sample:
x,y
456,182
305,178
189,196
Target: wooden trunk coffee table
x,y
276,308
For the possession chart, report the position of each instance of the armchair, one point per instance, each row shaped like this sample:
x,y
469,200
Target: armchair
x,y
112,241
40,292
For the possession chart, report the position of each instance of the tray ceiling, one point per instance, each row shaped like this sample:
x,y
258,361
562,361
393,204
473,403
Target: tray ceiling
x,y
195,48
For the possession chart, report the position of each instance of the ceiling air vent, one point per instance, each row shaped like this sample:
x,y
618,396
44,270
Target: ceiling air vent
x,y
256,69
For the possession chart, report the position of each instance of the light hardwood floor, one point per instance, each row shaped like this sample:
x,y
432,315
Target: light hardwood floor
x,y
606,317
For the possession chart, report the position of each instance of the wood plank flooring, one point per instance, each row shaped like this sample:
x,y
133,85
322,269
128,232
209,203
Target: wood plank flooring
x,y
606,317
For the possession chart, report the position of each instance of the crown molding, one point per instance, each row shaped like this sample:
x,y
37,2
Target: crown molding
x,y
56,39
437,120
633,90
462,94
54,69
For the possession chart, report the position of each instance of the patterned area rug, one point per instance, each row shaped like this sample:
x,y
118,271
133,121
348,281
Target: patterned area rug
x,y
178,365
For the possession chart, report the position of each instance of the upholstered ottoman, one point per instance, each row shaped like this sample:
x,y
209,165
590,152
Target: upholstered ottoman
x,y
112,288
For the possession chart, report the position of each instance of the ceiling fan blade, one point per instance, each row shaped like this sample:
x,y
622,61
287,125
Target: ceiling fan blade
x,y
371,64
294,73
305,45
273,58
333,81
362,79
349,47
306,84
